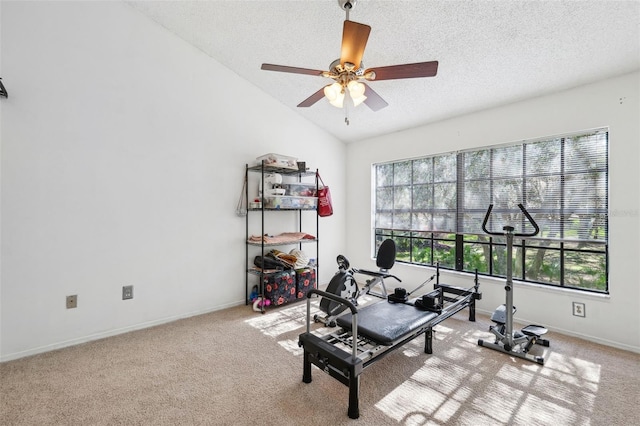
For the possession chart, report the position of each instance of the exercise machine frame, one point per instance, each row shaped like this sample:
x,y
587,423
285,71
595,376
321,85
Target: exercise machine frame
x,y
516,343
345,353
345,285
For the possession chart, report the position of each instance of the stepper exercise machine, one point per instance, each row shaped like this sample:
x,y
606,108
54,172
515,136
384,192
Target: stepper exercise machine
x,y
507,340
366,335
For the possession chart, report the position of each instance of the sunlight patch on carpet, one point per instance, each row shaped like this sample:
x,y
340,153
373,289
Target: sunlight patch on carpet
x,y
402,402
540,411
573,371
283,319
499,401
436,391
291,346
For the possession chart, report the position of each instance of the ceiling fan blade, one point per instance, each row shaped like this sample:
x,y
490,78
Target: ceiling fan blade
x,y
419,69
312,99
294,70
373,101
354,40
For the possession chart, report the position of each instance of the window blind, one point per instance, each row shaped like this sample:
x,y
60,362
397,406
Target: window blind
x,y
561,181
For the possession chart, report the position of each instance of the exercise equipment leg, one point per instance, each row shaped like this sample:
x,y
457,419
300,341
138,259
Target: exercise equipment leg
x,y
354,391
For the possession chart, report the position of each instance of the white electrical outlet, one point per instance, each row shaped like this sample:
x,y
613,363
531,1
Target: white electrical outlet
x,y
578,309
72,301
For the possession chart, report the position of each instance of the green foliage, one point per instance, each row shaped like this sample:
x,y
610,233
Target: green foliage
x,y
475,259
584,268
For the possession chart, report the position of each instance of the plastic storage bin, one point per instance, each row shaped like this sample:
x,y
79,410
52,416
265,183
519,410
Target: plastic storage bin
x,y
299,189
287,202
277,160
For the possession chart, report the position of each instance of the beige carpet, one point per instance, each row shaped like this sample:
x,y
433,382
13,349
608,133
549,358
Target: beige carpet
x,y
238,367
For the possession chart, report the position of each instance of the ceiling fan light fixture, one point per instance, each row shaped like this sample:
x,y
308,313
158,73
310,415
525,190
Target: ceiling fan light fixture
x,y
356,88
335,94
356,92
339,101
358,100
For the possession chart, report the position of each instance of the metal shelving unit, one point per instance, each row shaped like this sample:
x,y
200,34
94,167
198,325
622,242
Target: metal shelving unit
x,y
299,175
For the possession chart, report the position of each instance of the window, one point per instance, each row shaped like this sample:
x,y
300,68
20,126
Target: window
x,y
433,207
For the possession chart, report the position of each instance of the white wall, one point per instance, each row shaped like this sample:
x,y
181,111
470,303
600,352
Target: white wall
x,y
123,152
613,320
119,166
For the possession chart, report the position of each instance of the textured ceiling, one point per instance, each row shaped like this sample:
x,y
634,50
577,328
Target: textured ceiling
x,y
490,53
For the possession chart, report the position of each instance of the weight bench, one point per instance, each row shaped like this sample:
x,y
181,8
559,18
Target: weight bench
x,y
378,330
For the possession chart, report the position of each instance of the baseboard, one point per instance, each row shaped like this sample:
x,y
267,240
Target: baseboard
x,y
110,333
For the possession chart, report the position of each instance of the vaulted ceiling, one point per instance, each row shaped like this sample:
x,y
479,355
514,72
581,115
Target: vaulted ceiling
x,y
490,53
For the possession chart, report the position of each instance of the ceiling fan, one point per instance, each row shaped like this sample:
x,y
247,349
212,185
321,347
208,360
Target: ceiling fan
x,y
348,71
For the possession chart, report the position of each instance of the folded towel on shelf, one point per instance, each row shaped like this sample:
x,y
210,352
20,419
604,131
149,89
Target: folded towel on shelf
x,y
283,238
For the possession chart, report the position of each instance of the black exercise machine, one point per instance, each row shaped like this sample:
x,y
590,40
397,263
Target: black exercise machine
x,y
345,285
368,334
516,343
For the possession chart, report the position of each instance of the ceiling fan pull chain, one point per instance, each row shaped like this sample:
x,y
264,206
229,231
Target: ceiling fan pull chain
x,y
347,101
346,114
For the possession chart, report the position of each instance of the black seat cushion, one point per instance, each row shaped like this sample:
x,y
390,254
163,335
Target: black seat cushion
x,y
387,323
386,256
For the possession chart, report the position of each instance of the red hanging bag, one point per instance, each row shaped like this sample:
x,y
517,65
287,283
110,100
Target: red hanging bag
x,y
325,206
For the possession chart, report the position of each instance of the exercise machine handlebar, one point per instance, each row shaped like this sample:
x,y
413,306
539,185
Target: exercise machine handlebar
x,y
336,298
533,223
